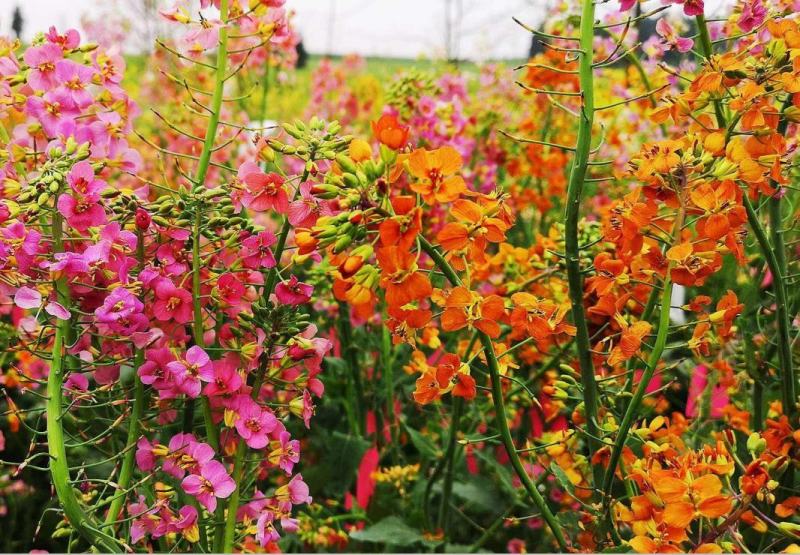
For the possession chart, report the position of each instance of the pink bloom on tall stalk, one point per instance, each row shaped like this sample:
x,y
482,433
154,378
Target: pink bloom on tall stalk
x,y
75,79
188,373
230,289
254,423
256,251
82,208
68,41
263,191
304,211
667,33
753,15
285,452
265,529
154,369
211,483
295,492
122,312
172,303
293,292
226,380
42,61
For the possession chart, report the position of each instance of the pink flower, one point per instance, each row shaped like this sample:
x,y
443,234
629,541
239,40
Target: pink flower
x,y
81,212
42,61
665,30
186,454
255,251
265,529
365,483
293,292
75,79
68,41
189,372
82,180
145,454
226,379
172,303
154,370
304,211
753,15
285,452
27,298
122,312
230,289
254,423
213,482
186,523
296,491
265,192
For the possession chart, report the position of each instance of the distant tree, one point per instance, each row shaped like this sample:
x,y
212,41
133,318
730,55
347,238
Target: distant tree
x,y
17,22
302,55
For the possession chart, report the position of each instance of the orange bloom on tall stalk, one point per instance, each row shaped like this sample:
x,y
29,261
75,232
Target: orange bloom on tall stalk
x,y
467,308
539,318
400,278
690,268
450,375
434,170
629,342
402,228
475,226
388,131
686,499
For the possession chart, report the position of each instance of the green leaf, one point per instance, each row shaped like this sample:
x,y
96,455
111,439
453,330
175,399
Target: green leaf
x,y
624,548
391,530
481,495
562,478
424,445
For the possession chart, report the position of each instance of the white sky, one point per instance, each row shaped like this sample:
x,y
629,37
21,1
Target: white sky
x,y
401,28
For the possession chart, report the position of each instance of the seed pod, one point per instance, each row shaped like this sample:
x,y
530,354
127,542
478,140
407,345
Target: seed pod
x,y
346,163
350,180
342,243
43,198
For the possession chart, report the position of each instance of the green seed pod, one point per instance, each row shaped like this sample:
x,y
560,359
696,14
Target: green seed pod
x,y
346,163
43,198
350,180
342,243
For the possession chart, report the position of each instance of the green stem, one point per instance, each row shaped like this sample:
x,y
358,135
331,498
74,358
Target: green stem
x,y
572,215
126,471
443,521
80,521
387,364
788,391
499,406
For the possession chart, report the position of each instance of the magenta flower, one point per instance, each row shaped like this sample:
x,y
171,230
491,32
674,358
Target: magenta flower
x,y
186,454
82,180
230,289
304,211
154,369
265,192
226,380
254,423
68,41
670,37
753,15
189,372
145,454
265,529
81,212
172,303
119,306
213,482
54,111
295,492
42,61
293,292
285,452
256,251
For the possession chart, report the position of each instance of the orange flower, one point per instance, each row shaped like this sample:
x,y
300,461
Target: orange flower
x,y
610,272
400,278
402,228
629,342
434,170
450,375
539,318
467,308
690,268
475,226
388,131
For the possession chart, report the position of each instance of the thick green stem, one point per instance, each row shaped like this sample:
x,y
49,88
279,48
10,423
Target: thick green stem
x,y
788,380
499,407
81,522
443,521
577,178
126,471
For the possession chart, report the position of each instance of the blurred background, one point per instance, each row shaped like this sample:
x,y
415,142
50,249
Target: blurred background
x,y
474,30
